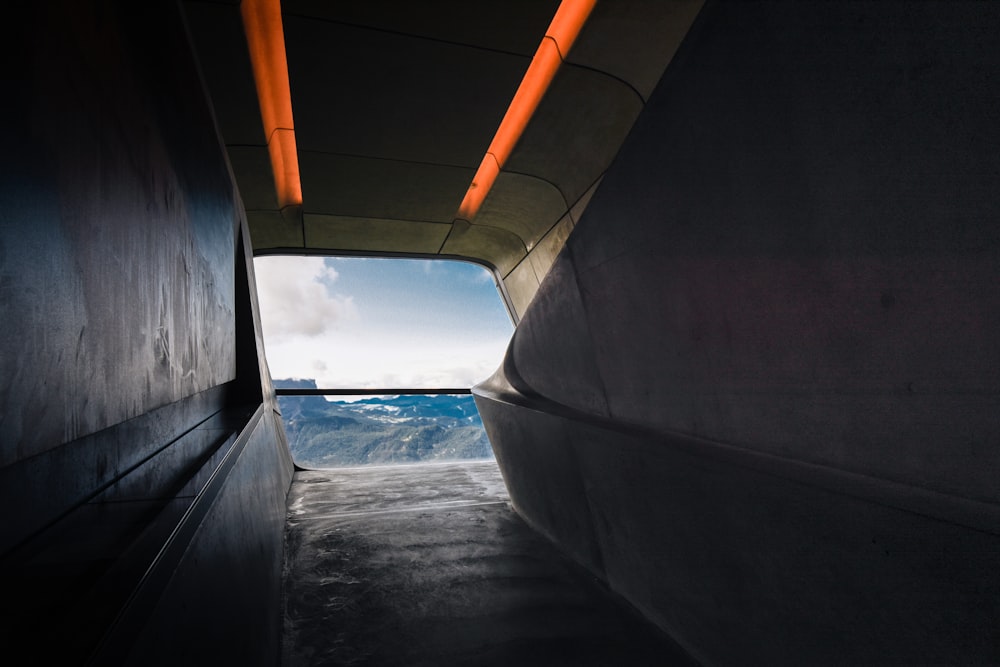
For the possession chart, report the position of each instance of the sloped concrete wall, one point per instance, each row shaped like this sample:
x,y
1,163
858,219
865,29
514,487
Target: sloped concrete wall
x,y
119,222
759,391
128,306
220,607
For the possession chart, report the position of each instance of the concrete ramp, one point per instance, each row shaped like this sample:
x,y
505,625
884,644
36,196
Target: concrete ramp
x,y
428,565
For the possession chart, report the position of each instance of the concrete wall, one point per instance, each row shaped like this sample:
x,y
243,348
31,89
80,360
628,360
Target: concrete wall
x,y
759,391
221,605
128,312
118,233
522,282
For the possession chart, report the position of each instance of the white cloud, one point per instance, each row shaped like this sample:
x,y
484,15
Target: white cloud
x,y
294,299
377,362
367,360
312,331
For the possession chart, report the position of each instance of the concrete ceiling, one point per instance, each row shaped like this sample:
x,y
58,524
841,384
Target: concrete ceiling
x,y
396,102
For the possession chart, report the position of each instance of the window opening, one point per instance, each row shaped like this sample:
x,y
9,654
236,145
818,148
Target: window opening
x,y
339,329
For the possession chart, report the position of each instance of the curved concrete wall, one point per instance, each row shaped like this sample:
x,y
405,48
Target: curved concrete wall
x,y
759,390
129,346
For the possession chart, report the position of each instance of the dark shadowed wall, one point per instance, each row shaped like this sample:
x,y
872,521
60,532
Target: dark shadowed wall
x,y
119,219
759,392
129,341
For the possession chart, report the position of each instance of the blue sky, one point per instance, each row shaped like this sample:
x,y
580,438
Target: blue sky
x,y
376,322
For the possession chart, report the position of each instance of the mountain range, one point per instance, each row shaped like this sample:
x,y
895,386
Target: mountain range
x,y
380,429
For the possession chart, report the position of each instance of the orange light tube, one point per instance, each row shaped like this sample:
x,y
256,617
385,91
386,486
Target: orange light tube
x,y
558,39
536,81
266,39
568,22
487,173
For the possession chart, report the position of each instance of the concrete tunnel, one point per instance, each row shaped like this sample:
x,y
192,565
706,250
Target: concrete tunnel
x,y
752,249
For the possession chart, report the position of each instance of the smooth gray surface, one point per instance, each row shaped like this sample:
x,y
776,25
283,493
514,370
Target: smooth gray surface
x,y
764,373
116,236
38,490
127,319
811,262
750,560
222,604
426,564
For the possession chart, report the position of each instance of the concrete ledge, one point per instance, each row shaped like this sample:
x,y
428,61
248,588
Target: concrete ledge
x,y
36,491
747,558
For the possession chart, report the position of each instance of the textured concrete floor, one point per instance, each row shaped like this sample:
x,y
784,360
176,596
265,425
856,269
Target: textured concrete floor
x,y
428,565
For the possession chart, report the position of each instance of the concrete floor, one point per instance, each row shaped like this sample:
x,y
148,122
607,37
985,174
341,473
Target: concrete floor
x,y
428,565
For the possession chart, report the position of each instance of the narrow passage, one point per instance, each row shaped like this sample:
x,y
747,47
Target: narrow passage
x,y
427,564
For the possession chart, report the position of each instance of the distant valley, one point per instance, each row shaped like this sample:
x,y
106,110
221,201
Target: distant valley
x,y
381,429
